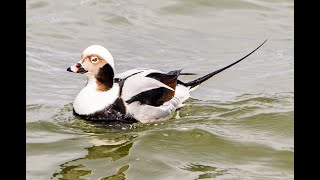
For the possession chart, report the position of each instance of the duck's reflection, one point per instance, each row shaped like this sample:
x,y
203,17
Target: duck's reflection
x,y
119,175
71,172
208,172
102,158
114,152
111,143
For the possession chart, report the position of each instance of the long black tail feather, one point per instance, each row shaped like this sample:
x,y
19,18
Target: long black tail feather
x,y
200,80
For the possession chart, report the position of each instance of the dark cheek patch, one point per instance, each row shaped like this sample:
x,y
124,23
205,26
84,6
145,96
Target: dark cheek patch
x,y
105,77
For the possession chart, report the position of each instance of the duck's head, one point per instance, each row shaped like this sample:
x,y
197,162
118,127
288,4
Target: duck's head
x,y
97,63
92,60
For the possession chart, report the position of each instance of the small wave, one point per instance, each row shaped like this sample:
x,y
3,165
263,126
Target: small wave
x,y
203,6
37,5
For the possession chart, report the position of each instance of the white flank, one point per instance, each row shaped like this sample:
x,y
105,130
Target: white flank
x,y
182,93
89,100
147,114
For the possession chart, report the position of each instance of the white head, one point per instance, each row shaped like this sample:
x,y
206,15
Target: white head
x,y
97,63
99,51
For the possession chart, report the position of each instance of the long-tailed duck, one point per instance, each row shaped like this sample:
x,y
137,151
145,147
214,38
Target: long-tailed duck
x,y
138,95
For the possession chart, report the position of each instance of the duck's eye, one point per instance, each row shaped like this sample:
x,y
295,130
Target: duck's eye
x,y
94,60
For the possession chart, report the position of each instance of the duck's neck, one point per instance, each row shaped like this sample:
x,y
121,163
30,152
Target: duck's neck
x,y
89,100
99,93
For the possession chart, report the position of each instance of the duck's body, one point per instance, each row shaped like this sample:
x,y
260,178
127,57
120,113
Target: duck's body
x,y
138,95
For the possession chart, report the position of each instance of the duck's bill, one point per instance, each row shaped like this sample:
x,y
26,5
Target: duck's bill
x,y
77,68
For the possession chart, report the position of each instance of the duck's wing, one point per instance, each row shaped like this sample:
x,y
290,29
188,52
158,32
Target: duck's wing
x,y
149,87
150,93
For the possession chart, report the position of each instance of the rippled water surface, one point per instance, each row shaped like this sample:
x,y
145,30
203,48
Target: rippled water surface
x,y
237,125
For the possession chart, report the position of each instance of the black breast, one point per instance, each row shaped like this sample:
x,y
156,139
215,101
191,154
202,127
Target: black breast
x,y
114,112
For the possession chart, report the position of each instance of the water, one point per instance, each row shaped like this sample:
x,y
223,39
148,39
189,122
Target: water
x,y
238,125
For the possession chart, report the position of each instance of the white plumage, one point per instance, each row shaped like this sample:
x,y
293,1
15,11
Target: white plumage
x,y
143,95
89,100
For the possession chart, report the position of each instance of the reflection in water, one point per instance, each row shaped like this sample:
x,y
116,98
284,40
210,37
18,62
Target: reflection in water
x,y
115,152
108,157
71,172
77,168
208,171
119,175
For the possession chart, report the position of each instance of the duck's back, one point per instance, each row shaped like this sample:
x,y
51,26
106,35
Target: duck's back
x,y
149,95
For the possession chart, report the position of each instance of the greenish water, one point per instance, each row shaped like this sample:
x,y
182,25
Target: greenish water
x,y
238,125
